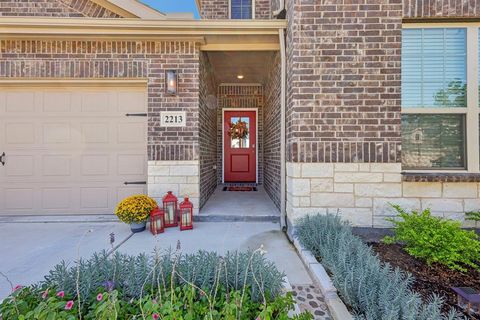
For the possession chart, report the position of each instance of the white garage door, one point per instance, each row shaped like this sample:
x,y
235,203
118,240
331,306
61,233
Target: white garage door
x,y
69,150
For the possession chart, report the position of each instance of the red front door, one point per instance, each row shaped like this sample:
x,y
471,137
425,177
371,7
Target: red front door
x,y
240,148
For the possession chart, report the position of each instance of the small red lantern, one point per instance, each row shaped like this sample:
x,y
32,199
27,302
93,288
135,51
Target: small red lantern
x,y
170,209
157,221
186,215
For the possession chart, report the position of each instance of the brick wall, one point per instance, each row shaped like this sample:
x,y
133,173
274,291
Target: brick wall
x,y
441,9
54,8
271,133
218,9
263,9
207,131
116,60
343,81
214,9
240,97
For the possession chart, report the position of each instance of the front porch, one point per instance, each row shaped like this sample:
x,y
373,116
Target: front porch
x,y
239,206
240,86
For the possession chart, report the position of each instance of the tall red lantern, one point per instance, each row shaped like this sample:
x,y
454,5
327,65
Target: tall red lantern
x,y
157,221
186,215
170,209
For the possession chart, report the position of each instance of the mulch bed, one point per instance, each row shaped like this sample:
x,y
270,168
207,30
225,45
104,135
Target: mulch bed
x,y
432,279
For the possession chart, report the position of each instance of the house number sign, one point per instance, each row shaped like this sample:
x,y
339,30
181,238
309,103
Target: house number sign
x,y
173,119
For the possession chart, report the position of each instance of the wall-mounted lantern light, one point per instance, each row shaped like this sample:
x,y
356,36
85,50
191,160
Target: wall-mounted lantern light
x,y
172,82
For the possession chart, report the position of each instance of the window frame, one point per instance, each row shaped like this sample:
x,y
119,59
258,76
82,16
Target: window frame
x,y
230,11
472,111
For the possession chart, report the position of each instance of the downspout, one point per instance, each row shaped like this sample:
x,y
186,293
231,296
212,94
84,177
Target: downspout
x,y
281,7
283,76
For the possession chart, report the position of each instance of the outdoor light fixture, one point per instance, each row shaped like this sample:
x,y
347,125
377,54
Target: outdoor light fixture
x,y
172,82
468,299
240,76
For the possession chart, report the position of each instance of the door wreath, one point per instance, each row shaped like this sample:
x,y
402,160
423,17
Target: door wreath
x,y
238,130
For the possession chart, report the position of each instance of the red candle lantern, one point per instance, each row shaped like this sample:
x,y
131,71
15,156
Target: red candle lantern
x,y
170,209
186,215
157,221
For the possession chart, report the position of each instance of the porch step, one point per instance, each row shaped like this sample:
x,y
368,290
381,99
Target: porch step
x,y
236,218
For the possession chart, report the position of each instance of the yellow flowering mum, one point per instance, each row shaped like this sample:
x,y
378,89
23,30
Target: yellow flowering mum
x,y
135,208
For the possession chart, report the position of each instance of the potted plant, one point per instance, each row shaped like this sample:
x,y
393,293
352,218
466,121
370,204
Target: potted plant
x,y
135,211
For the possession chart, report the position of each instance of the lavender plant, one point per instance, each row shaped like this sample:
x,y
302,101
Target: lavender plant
x,y
375,291
132,274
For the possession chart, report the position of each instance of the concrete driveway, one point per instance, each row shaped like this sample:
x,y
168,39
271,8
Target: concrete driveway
x,y
29,250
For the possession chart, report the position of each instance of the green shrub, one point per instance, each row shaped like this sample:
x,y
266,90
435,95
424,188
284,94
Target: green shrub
x,y
473,215
436,240
374,290
203,269
183,302
204,285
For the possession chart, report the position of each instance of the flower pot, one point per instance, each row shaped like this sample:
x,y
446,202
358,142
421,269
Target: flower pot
x,y
138,227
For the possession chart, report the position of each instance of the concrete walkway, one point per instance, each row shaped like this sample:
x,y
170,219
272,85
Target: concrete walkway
x,y
29,250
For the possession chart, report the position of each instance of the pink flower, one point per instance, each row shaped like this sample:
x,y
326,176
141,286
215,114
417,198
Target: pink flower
x,y
155,316
45,294
69,305
17,287
99,297
61,294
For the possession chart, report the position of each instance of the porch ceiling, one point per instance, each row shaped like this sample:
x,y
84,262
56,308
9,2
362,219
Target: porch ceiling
x,y
228,64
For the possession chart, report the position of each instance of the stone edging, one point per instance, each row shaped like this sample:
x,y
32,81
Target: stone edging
x,y
287,287
335,305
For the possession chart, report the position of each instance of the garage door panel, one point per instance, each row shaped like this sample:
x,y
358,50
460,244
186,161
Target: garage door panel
x,y
73,153
95,132
123,192
19,165
57,101
94,198
20,101
94,165
131,132
56,165
131,164
19,198
95,102
56,198
19,133
131,102
57,133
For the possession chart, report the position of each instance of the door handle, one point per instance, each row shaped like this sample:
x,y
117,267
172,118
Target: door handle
x,y
2,158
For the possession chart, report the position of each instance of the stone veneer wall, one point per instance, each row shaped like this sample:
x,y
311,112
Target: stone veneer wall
x,y
218,9
245,97
362,193
55,8
207,132
180,177
271,133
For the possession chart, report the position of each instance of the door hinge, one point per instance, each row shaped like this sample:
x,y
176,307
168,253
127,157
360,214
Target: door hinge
x,y
136,114
134,182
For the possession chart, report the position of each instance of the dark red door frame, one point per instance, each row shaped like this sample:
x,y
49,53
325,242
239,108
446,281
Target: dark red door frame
x,y
240,164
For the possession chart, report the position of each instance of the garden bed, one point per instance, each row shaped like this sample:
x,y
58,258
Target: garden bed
x,y
434,279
